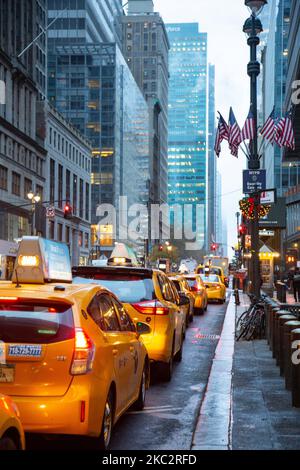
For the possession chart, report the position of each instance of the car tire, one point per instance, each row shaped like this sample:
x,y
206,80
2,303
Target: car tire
x,y
7,443
140,403
198,311
107,423
178,356
166,368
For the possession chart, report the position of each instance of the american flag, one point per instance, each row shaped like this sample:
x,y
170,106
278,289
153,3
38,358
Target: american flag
x,y
287,138
248,131
235,138
222,134
278,131
268,128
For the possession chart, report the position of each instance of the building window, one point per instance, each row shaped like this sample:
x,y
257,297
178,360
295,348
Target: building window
x,y
51,229
40,191
81,199
87,201
60,185
74,194
27,187
86,240
68,186
16,184
52,181
60,232
68,235
3,177
80,239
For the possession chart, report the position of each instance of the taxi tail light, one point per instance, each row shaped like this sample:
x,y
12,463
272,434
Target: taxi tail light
x,y
195,288
84,352
151,308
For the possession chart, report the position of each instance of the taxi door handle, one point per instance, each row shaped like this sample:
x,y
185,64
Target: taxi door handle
x,y
115,352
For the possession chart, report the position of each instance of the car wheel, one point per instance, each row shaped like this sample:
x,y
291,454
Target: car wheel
x,y
198,311
7,443
107,423
178,356
166,368
140,403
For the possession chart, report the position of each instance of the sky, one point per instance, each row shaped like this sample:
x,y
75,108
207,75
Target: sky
x,y
228,50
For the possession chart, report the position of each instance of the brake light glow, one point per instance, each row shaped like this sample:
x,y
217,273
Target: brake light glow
x,y
9,299
151,307
83,353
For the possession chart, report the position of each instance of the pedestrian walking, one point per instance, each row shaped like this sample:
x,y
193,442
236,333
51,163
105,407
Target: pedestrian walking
x,y
296,285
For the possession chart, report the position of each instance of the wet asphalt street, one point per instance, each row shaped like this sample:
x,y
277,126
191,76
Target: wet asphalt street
x,y
172,409
169,418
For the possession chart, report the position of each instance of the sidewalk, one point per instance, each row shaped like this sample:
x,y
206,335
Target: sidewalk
x,y
246,405
263,417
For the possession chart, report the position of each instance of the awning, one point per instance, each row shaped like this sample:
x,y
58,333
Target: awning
x,y
8,248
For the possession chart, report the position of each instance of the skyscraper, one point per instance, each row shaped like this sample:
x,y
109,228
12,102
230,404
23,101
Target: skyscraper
x,y
188,114
275,60
211,162
22,153
145,48
91,84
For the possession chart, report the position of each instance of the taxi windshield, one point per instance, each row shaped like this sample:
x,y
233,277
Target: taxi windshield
x,y
129,289
34,322
210,278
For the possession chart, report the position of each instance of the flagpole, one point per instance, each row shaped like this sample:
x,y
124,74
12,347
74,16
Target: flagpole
x,y
252,28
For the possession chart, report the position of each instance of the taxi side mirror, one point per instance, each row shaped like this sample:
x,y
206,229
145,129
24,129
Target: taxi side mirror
x,y
142,328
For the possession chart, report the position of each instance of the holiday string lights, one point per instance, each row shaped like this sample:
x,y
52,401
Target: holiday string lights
x,y
247,208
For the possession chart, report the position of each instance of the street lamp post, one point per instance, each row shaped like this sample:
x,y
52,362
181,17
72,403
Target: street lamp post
x,y
253,28
34,198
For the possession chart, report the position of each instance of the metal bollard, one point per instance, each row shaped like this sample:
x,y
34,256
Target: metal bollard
x,y
272,326
288,327
295,371
237,297
271,310
282,320
275,342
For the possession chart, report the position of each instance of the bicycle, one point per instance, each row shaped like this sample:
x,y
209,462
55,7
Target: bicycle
x,y
252,323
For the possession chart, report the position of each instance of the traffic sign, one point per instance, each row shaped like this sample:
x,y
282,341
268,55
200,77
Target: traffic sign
x,y
268,196
50,212
254,181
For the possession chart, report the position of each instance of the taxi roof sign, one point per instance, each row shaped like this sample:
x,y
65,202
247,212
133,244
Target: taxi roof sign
x,y
40,260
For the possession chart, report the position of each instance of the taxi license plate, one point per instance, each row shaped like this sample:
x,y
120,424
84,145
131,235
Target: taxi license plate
x,y
7,374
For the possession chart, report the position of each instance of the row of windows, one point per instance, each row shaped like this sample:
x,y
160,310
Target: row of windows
x,y
62,233
21,155
69,150
16,184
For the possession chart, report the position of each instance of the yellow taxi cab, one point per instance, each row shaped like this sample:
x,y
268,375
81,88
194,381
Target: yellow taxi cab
x,y
216,290
213,270
148,296
183,289
198,290
11,431
74,359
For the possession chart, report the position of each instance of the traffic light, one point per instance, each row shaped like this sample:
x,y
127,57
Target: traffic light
x,y
213,247
242,230
160,248
67,211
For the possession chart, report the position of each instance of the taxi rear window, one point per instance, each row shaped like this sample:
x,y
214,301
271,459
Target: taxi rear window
x,y
34,322
129,289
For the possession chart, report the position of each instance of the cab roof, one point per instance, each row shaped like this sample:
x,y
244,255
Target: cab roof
x,y
59,291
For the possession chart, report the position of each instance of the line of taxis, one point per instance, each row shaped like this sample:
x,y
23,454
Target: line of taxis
x,y
76,347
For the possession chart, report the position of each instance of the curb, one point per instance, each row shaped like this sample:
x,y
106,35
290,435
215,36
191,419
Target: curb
x,y
214,425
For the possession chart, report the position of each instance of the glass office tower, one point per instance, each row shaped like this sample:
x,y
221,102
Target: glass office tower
x,y
92,86
187,148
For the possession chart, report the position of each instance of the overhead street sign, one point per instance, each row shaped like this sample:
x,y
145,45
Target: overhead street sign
x,y
268,196
254,181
